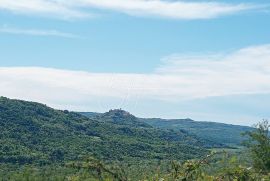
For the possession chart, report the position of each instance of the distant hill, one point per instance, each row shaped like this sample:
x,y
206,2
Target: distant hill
x,y
34,133
119,117
218,132
213,132
123,118
90,114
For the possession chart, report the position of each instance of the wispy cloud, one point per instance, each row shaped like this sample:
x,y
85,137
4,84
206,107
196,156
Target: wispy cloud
x,y
36,32
43,8
170,9
242,72
155,8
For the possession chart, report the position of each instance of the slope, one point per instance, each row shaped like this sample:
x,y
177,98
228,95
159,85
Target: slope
x,y
34,133
218,132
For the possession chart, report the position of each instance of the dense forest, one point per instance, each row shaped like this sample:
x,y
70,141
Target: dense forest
x,y
227,134
41,143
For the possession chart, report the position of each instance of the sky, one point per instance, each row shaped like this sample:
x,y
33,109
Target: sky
x,y
199,59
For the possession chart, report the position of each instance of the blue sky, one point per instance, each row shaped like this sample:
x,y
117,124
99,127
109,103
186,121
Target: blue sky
x,y
170,59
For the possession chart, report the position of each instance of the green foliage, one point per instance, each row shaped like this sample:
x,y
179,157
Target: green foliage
x,y
125,120
259,146
210,132
229,170
99,169
40,143
33,133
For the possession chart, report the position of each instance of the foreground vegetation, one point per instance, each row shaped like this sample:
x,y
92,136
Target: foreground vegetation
x,y
217,166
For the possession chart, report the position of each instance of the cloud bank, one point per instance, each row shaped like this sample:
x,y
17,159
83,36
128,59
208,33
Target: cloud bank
x,y
179,78
154,8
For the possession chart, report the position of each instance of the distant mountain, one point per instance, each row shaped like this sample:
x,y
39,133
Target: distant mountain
x,y
208,132
121,117
218,132
34,133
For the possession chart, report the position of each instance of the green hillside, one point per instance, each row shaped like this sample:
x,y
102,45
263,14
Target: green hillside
x,y
41,143
208,132
32,133
217,132
120,117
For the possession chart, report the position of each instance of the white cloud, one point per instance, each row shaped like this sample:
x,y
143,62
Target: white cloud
x,y
156,8
36,32
169,9
246,71
42,7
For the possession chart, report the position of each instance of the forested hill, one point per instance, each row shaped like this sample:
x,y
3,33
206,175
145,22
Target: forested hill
x,y
34,133
218,132
221,133
123,118
119,117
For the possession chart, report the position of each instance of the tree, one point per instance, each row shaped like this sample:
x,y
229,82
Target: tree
x,y
57,155
259,146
